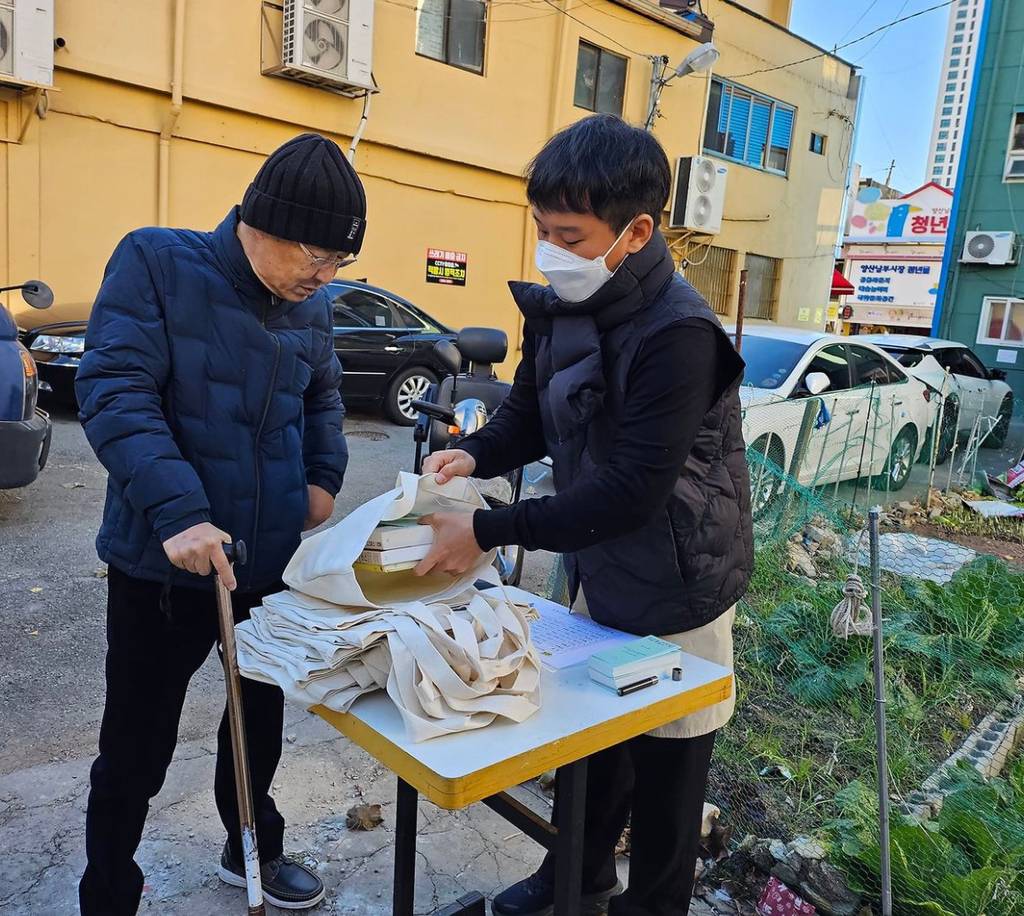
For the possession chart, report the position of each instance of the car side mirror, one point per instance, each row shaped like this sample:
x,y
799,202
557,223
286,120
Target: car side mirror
x,y
449,355
37,294
817,382
997,375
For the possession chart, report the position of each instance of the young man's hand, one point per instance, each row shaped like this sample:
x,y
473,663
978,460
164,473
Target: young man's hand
x,y
199,549
453,462
321,507
455,548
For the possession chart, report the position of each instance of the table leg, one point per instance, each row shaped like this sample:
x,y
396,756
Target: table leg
x,y
405,850
571,788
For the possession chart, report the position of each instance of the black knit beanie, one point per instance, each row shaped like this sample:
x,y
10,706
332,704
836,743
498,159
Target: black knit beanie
x,y
308,192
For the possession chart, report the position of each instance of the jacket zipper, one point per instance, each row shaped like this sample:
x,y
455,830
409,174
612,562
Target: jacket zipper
x,y
256,446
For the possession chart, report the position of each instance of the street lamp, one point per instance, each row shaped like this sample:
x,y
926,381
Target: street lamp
x,y
698,60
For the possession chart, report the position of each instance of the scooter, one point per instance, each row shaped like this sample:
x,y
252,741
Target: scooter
x,y
462,403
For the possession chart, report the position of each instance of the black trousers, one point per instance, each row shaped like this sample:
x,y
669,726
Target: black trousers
x,y
658,785
152,653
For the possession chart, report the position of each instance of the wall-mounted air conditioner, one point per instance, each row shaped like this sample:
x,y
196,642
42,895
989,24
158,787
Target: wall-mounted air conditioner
x,y
26,42
698,195
327,43
996,248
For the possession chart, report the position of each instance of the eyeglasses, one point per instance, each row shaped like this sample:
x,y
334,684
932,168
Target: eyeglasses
x,y
335,260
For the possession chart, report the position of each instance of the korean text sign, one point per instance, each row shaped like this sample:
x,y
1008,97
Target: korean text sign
x,y
447,267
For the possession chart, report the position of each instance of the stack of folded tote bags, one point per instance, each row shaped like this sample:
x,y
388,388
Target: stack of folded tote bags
x,y
451,656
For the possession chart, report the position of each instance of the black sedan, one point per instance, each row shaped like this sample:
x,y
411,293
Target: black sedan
x,y
384,342
386,347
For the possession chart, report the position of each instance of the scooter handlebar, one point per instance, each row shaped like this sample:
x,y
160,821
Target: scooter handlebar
x,y
435,411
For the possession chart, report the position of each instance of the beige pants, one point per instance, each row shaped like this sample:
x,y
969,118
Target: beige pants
x,y
713,642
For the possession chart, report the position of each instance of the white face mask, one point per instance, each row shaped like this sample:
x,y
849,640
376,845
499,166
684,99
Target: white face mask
x,y
571,277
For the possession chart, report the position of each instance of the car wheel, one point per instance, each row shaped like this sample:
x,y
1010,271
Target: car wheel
x,y
765,459
900,462
997,438
408,386
947,435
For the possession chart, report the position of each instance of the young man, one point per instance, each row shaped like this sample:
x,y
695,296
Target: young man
x,y
209,391
629,383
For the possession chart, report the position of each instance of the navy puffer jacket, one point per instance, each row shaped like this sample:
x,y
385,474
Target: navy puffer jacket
x,y
207,399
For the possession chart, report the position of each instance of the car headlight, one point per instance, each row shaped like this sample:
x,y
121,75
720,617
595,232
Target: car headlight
x,y
51,343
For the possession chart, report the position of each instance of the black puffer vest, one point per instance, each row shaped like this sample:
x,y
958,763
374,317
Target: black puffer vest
x,y
693,559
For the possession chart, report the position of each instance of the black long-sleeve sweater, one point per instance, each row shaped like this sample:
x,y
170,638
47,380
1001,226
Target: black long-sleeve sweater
x,y
673,383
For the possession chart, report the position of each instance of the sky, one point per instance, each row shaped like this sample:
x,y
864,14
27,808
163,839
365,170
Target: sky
x,y
901,67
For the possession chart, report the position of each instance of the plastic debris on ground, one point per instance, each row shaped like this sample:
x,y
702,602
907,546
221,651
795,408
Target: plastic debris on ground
x,y
918,557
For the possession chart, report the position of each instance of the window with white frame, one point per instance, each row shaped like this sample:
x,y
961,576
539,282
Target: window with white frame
x,y
1002,322
1015,150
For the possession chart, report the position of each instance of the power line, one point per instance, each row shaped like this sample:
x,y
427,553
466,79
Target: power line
x,y
881,28
533,4
858,20
557,8
882,37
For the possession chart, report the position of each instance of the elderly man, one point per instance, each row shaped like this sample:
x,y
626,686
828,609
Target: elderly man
x,y
209,392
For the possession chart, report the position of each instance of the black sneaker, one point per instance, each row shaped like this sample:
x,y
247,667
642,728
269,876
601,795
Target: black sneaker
x,y
286,883
535,896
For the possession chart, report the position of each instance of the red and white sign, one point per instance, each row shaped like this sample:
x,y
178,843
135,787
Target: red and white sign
x,y
779,900
920,216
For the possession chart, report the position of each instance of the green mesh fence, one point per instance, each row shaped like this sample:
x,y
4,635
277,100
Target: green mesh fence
x,y
795,772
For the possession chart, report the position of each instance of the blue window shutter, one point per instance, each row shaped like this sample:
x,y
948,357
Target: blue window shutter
x,y
782,128
762,113
739,116
723,114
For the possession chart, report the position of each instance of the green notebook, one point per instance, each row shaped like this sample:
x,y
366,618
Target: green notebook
x,y
640,655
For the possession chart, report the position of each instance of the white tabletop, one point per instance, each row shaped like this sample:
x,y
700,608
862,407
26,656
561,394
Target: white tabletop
x,y
577,717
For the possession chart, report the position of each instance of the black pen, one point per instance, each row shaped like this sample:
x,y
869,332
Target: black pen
x,y
638,685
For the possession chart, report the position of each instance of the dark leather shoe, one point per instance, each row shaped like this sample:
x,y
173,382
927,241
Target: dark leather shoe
x,y
535,896
286,883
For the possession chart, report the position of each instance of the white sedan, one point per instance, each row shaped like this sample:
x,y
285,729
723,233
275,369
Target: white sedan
x,y
867,417
977,400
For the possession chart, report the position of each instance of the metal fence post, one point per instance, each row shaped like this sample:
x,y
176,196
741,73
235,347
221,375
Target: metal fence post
x,y
811,411
741,308
874,520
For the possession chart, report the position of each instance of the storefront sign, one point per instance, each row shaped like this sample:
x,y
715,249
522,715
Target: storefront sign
x,y
893,282
448,267
921,216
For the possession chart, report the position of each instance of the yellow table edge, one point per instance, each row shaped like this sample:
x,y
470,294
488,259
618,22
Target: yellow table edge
x,y
462,791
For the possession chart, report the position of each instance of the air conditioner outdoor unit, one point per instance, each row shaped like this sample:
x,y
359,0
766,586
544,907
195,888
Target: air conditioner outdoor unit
x,y
26,42
328,43
698,195
989,248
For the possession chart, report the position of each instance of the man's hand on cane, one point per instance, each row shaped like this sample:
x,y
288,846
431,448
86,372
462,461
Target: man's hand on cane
x,y
200,550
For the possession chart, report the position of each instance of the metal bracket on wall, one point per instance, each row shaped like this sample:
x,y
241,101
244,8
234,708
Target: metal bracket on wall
x,y
689,247
40,105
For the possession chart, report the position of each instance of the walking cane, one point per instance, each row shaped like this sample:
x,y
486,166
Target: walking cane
x,y
243,785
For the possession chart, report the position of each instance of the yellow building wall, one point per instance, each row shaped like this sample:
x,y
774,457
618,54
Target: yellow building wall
x,y
442,156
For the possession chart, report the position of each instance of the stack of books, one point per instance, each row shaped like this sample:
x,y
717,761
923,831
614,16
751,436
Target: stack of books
x,y
396,546
634,662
